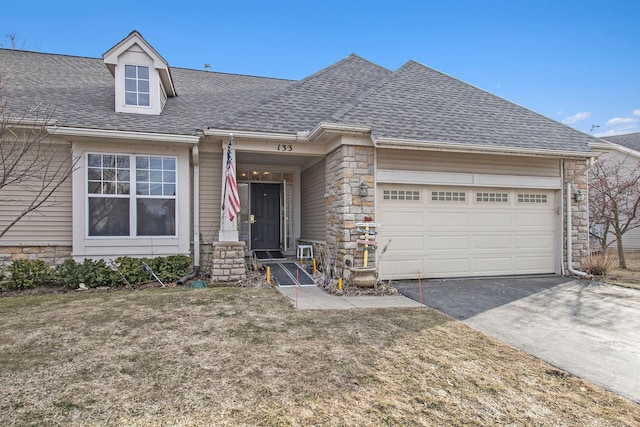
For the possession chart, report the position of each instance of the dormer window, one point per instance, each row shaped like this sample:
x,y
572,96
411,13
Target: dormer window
x,y
143,79
136,85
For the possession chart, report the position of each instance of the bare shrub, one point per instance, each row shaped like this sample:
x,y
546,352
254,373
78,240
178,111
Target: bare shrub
x,y
601,264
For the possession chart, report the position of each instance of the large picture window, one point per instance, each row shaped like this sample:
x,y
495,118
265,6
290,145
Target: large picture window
x,y
136,85
115,210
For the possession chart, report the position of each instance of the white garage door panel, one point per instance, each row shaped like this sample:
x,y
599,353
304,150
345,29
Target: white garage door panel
x,y
448,242
493,219
444,219
451,267
492,242
467,238
534,219
401,269
542,241
540,264
484,266
403,218
403,243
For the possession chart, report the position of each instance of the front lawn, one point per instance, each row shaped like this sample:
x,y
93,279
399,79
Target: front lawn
x,y
245,356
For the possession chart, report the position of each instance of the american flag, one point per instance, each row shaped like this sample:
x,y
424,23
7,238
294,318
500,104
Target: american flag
x,y
232,185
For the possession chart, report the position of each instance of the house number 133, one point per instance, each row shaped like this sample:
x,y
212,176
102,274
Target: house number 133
x,y
285,147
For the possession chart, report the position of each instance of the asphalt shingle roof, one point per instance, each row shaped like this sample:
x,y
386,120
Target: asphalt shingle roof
x,y
629,140
422,104
314,99
413,103
82,93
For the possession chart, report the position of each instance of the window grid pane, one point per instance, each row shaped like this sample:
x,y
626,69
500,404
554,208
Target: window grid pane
x,y
492,197
136,85
155,176
109,174
448,196
410,195
532,198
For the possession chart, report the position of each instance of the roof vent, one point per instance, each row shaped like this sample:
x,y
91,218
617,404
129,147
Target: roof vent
x,y
207,67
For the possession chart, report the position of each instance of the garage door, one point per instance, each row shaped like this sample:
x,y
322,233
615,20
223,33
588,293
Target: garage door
x,y
462,232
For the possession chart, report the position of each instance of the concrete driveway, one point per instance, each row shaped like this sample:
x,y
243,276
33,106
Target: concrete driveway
x,y
587,328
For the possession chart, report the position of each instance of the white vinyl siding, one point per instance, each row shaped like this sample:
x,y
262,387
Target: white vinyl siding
x,y
461,237
313,209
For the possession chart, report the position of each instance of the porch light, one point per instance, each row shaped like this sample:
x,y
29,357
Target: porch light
x,y
579,195
364,189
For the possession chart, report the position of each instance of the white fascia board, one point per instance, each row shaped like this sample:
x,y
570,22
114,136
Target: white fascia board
x,y
127,135
405,144
625,150
466,179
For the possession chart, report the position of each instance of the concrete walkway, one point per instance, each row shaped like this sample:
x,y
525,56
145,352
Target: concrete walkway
x,y
314,298
587,328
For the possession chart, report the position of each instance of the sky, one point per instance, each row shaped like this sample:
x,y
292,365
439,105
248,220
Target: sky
x,y
577,62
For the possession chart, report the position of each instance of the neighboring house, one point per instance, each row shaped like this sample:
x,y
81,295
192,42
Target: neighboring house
x,y
460,181
625,149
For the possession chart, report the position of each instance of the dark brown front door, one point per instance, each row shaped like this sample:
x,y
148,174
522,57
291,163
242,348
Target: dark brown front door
x,y
265,211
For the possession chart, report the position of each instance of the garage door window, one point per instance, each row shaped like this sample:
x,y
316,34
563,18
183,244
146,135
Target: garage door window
x,y
448,196
492,197
401,195
532,198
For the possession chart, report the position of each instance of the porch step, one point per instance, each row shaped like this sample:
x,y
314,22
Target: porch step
x,y
284,273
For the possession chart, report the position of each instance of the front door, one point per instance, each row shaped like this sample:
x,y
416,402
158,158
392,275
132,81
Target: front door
x,y
265,216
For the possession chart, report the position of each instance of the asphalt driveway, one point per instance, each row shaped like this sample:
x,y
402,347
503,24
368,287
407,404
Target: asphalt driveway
x,y
587,328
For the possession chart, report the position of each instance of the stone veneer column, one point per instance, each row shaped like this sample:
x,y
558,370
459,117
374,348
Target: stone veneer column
x,y
347,167
227,262
579,213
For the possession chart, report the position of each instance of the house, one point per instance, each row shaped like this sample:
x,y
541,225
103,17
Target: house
x,y
626,150
455,181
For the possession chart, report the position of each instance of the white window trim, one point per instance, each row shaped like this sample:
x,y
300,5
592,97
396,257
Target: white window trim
x,y
149,80
132,197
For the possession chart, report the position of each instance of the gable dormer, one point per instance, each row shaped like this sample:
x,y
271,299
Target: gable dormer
x,y
143,79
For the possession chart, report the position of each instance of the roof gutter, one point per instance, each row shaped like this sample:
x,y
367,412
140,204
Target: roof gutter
x,y
302,136
406,144
128,135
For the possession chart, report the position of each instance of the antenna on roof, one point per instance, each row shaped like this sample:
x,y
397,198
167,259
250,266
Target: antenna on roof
x,y
593,127
207,67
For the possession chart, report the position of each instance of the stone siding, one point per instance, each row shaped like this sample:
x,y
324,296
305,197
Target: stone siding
x,y
227,262
579,214
52,255
347,167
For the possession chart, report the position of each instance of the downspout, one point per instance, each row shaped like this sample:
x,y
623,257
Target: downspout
x,y
196,217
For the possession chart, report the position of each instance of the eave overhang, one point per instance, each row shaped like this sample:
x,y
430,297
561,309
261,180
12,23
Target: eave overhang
x,y
407,144
124,135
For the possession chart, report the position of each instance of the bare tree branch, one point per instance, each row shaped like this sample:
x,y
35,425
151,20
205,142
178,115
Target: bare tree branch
x,y
614,201
30,162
